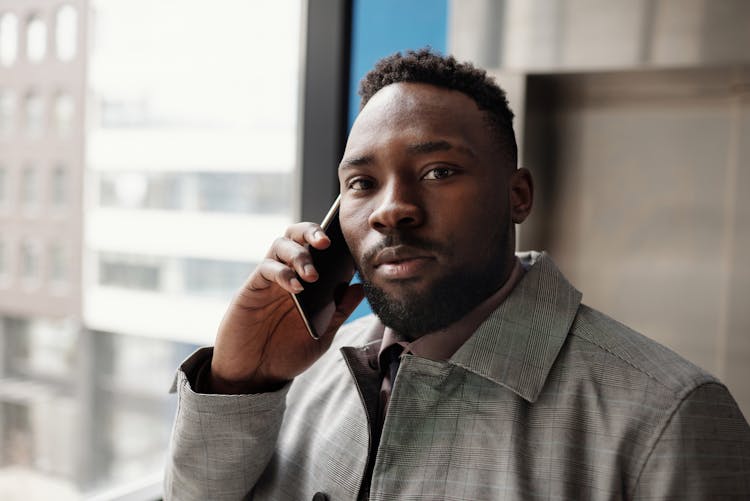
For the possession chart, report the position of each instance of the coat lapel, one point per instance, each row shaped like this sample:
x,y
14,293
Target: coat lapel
x,y
518,343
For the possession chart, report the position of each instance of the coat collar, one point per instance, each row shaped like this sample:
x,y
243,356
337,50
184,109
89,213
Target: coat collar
x,y
518,343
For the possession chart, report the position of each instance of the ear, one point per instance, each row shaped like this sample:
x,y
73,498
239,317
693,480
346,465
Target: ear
x,y
521,195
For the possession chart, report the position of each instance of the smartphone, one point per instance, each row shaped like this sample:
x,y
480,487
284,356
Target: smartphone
x,y
335,266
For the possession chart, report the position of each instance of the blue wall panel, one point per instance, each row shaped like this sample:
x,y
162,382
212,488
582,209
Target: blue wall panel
x,y
382,27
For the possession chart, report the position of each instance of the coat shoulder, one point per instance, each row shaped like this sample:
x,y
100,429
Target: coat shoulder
x,y
634,352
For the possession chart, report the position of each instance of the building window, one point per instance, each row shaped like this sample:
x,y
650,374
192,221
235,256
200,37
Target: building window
x,y
228,192
36,39
29,188
8,39
34,115
256,193
3,262
130,272
64,114
7,112
58,187
3,186
124,191
66,33
57,262
208,277
29,261
18,443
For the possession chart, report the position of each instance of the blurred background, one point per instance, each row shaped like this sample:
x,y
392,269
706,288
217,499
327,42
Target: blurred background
x,y
150,151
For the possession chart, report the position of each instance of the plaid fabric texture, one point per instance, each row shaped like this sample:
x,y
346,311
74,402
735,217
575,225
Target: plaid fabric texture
x,y
548,399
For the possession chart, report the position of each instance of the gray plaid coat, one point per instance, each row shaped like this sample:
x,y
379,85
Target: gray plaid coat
x,y
548,399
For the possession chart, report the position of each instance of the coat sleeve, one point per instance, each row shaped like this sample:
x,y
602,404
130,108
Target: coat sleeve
x,y
220,444
703,452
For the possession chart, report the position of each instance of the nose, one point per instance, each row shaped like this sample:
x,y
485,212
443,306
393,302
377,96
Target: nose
x,y
398,208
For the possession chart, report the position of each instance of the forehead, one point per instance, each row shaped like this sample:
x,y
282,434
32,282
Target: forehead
x,y
418,112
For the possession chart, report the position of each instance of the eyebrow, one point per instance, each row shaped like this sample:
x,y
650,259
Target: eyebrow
x,y
432,146
412,149
356,161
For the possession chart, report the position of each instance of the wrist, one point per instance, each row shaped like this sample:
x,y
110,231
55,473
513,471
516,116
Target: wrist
x,y
223,386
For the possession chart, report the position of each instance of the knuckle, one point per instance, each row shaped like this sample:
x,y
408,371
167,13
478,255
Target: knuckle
x,y
300,259
279,242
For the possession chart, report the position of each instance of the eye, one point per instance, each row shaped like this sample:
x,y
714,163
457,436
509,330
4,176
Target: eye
x,y
439,173
360,184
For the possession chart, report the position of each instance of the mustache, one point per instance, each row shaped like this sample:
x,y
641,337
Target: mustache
x,y
405,239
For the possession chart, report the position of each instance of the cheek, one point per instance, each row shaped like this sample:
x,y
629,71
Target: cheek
x,y
353,226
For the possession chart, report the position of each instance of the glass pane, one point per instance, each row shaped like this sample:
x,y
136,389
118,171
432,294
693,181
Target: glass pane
x,y
29,187
130,272
66,33
57,271
8,39
7,112
59,192
3,183
34,115
64,111
211,277
190,147
229,192
36,40
29,261
3,265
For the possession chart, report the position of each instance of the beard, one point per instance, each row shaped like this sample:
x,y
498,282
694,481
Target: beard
x,y
448,299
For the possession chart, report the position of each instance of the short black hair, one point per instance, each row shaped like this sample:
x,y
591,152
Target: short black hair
x,y
429,67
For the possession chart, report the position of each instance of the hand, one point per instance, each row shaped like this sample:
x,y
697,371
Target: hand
x,y
262,341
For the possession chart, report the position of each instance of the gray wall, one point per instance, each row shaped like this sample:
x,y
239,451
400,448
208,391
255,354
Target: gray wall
x,y
634,118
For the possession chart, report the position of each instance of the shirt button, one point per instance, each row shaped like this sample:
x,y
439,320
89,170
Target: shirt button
x,y
319,496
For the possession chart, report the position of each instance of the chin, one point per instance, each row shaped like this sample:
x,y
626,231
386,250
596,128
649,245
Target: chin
x,y
404,288
413,310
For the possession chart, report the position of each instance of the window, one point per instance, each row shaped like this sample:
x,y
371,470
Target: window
x,y
214,278
64,114
34,115
259,193
57,271
228,192
7,112
3,186
130,272
187,146
3,261
29,188
8,38
124,190
36,39
66,33
29,261
58,187
17,433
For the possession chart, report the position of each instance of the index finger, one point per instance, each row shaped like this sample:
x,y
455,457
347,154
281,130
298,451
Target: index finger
x,y
308,233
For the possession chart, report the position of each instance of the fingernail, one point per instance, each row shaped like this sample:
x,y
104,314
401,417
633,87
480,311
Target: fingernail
x,y
296,285
319,234
310,270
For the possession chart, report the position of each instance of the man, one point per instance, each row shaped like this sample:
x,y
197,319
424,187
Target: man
x,y
481,375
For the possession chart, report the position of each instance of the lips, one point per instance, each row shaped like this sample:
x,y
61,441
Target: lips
x,y
392,255
401,262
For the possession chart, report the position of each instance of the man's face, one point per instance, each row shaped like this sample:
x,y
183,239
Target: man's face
x,y
426,206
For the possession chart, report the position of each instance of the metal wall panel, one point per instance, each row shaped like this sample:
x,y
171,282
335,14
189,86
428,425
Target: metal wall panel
x,y
574,35
648,216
